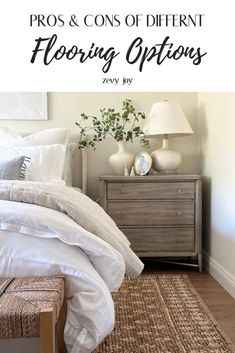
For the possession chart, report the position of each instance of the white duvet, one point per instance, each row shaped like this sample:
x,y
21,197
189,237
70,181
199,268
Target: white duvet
x,y
50,229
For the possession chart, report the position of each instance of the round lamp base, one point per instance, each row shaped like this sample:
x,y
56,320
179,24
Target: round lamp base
x,y
166,160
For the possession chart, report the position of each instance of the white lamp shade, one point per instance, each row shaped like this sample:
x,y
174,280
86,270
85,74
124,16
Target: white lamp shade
x,y
167,118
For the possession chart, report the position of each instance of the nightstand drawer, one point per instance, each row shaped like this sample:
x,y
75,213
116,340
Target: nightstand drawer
x,y
145,191
150,213
160,239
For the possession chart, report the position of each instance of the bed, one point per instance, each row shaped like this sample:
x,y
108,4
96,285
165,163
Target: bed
x,y
49,226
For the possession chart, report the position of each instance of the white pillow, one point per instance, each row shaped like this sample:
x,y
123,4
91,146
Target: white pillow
x,y
48,137
56,136
10,138
47,162
45,137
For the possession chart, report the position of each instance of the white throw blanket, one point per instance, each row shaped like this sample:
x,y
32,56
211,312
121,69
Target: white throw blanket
x,y
49,229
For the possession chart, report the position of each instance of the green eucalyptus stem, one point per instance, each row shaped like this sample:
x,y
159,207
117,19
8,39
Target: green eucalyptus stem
x,y
114,124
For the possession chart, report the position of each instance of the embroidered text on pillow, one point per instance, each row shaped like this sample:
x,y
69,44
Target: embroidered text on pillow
x,y
24,167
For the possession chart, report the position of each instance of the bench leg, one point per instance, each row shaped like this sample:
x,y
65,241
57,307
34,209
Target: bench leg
x,y
60,329
47,331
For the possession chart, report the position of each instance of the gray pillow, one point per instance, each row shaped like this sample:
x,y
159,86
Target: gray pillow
x,y
14,169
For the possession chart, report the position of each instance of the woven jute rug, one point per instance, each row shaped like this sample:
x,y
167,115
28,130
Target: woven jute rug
x,y
163,314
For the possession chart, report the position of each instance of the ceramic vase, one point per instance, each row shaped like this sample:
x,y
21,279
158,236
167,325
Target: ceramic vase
x,y
120,159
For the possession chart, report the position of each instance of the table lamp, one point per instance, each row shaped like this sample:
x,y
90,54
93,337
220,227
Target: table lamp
x,y
166,118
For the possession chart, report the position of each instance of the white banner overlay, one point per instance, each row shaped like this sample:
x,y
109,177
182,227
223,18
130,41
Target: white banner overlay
x,y
105,46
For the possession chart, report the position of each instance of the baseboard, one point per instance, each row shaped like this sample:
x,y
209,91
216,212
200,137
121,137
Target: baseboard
x,y
217,271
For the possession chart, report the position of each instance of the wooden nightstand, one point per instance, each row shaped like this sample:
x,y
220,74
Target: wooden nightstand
x,y
160,215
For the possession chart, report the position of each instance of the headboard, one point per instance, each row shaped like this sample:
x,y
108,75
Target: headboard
x,y
79,165
80,169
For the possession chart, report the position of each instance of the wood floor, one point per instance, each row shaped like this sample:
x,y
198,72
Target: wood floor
x,y
220,303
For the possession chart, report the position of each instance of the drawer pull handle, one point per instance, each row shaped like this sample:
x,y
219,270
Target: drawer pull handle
x,y
179,213
179,190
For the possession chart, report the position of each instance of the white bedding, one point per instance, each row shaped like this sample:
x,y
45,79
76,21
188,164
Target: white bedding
x,y
39,240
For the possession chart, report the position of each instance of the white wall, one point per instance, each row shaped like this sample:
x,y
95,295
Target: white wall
x,y
216,118
65,109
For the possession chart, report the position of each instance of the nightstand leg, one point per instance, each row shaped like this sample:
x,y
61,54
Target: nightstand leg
x,y
200,262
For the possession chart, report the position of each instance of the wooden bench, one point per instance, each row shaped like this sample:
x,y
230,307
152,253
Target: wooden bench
x,y
34,307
